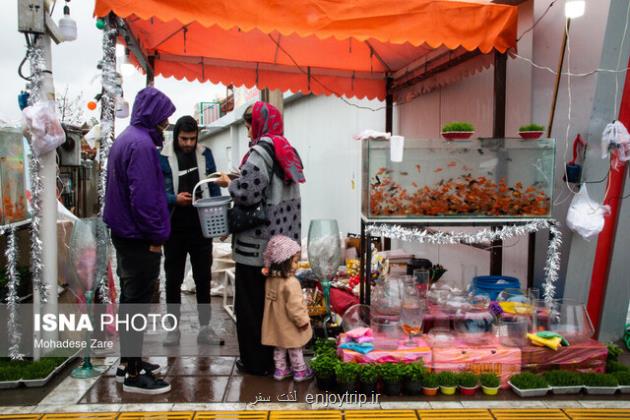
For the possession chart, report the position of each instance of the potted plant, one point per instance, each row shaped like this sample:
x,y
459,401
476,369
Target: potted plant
x,y
623,377
324,368
468,383
346,375
600,383
448,382
527,384
457,130
564,382
413,373
368,376
325,346
531,131
392,373
490,383
430,384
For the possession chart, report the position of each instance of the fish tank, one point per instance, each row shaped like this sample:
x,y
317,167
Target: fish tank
x,y
12,185
481,180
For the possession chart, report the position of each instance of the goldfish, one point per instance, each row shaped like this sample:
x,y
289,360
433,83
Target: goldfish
x,y
452,164
438,170
418,168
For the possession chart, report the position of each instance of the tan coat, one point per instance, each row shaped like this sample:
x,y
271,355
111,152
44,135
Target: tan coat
x,y
285,311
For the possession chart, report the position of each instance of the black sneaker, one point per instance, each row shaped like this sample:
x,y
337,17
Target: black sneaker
x,y
146,366
145,384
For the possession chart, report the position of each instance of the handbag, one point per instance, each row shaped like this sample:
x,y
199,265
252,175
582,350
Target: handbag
x,y
241,219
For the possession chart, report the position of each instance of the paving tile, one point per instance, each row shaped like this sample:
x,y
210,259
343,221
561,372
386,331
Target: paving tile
x,y
247,387
412,405
184,389
436,405
202,366
17,409
487,404
562,404
522,403
606,404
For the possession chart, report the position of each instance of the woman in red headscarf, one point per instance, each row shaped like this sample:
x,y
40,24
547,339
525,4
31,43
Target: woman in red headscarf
x,y
271,172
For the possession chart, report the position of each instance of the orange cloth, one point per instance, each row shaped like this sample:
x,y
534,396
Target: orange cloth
x,y
347,47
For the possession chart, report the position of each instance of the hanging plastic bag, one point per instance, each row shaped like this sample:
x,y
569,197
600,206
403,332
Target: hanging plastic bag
x,y
615,136
585,216
42,127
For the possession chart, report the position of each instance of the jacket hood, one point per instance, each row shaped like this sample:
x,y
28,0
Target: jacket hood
x,y
150,108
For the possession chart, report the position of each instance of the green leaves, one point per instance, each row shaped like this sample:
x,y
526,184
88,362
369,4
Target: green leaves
x,y
489,380
528,380
531,127
457,126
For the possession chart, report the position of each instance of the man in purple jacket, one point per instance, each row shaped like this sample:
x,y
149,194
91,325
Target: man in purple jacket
x,y
137,214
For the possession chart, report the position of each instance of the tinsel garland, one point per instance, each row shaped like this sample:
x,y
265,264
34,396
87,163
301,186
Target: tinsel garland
x,y
111,90
552,265
13,328
38,65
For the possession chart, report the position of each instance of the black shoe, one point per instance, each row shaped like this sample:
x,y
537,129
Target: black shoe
x,y
240,366
146,366
145,384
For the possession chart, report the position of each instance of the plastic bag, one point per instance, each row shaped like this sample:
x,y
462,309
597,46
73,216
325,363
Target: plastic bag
x,y
615,136
585,216
43,128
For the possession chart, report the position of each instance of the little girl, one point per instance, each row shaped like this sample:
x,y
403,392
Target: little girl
x,y
286,324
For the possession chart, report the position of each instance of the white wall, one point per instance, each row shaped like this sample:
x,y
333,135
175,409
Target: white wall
x,y
321,129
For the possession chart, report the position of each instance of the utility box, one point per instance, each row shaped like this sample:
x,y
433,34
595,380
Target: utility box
x,y
70,151
32,16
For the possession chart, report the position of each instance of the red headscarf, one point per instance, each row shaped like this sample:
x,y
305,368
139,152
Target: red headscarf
x,y
267,123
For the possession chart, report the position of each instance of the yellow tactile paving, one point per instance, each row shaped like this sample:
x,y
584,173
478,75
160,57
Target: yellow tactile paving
x,y
529,414
80,416
231,415
306,415
172,415
380,414
597,414
456,414
20,416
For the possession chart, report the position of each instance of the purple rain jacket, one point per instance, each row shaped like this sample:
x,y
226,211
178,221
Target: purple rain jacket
x,y
135,204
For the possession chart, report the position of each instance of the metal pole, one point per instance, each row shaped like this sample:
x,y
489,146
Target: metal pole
x,y
48,226
554,99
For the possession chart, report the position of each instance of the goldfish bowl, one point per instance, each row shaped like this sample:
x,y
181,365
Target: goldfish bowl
x,y
457,135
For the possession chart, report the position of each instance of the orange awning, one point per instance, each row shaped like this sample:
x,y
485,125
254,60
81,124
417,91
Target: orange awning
x,y
319,46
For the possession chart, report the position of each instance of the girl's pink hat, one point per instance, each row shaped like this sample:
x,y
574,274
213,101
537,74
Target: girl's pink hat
x,y
279,249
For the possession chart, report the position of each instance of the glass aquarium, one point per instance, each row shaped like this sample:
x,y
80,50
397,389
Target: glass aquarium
x,y
489,179
12,191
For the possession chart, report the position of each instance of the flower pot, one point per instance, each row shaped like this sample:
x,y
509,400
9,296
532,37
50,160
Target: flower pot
x,y
490,390
468,391
413,387
534,392
392,389
346,387
448,390
457,135
430,392
601,390
565,390
530,135
326,383
368,389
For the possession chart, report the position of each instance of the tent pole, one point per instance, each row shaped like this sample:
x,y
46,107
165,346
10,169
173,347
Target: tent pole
x,y
498,131
389,128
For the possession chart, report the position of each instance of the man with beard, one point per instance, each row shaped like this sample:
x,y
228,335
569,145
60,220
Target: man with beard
x,y
184,162
137,214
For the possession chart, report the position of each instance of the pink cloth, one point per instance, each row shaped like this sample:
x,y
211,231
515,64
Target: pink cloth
x,y
359,333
